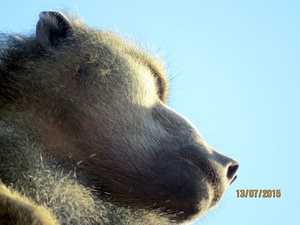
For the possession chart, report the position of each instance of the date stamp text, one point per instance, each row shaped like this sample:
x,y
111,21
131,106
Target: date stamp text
x,y
258,193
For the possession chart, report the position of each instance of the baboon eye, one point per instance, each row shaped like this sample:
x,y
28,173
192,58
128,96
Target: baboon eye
x,y
161,83
161,88
82,71
81,75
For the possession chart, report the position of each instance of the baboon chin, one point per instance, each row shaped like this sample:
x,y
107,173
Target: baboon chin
x,y
86,136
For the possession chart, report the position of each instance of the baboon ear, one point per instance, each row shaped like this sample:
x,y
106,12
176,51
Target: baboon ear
x,y
52,28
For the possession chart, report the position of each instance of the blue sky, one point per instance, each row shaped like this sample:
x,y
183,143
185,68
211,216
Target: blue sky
x,y
235,69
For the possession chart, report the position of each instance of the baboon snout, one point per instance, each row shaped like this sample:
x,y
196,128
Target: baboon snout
x,y
217,167
192,148
232,171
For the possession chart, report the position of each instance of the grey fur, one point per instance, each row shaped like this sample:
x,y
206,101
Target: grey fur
x,y
86,136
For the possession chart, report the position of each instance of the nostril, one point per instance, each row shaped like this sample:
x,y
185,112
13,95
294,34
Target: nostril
x,y
232,172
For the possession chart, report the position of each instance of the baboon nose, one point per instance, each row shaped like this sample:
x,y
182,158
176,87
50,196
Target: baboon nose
x,y
232,171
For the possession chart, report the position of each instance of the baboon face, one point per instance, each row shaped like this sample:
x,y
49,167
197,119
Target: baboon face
x,y
99,106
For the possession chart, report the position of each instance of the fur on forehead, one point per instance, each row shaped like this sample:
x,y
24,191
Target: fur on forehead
x,y
82,46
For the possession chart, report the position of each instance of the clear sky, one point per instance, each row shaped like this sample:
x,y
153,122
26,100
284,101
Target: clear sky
x,y
235,69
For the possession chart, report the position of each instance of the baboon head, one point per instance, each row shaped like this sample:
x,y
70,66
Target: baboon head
x,y
98,105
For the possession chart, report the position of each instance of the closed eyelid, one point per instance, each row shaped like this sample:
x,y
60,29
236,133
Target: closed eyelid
x,y
162,83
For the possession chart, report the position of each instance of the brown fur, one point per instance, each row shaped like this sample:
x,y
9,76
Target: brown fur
x,y
86,136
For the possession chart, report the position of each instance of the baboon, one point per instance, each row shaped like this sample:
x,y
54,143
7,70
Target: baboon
x,y
86,136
